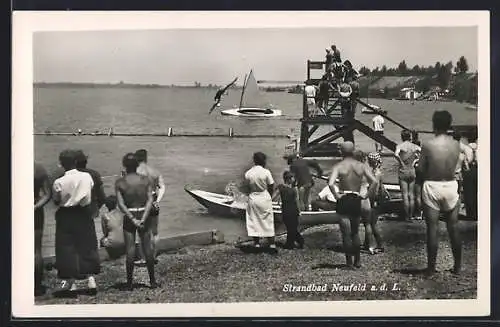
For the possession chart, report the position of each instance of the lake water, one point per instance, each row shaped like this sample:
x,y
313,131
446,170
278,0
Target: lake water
x,y
208,163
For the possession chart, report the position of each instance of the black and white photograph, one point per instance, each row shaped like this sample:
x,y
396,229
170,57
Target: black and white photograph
x,y
251,164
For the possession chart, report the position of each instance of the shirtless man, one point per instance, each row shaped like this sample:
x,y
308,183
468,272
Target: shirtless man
x,y
41,186
158,191
134,194
437,163
350,173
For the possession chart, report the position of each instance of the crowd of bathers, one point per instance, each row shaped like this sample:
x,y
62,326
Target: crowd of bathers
x,y
440,174
435,178
129,219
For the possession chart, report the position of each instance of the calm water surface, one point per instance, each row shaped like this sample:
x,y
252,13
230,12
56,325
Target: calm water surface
x,y
206,163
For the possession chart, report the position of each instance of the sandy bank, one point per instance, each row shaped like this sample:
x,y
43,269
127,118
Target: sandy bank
x,y
222,273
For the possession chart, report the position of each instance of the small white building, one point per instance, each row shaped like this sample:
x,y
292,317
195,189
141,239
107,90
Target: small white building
x,y
409,93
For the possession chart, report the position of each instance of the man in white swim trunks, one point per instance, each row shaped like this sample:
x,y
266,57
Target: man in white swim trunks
x,y
437,163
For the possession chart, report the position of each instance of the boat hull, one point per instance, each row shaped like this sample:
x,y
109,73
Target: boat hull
x,y
251,112
375,108
225,206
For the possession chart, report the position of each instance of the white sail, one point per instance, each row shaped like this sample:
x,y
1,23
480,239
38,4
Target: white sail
x,y
252,97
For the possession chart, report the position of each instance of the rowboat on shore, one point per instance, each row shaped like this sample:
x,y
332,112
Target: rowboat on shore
x,y
471,107
226,206
372,110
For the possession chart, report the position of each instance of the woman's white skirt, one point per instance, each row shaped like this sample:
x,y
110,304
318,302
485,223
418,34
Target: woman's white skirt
x,y
259,215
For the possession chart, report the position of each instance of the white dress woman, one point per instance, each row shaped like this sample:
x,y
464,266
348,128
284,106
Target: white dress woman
x,y
259,211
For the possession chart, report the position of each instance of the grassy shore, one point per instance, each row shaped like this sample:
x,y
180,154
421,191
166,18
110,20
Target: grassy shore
x,y
222,273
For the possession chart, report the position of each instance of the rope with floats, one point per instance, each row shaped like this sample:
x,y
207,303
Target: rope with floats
x,y
170,133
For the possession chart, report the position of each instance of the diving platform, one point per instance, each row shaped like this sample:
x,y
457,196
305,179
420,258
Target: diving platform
x,y
339,112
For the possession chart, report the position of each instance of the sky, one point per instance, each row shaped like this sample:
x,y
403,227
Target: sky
x,y
218,55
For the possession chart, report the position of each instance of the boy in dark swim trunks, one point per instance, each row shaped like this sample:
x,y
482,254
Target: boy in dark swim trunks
x,y
290,204
134,194
351,174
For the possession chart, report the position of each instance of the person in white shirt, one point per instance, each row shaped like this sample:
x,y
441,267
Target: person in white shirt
x,y
378,127
76,241
325,200
310,91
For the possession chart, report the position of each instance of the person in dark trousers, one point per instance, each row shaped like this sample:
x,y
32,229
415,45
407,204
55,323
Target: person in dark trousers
x,y
470,181
76,241
418,181
43,194
98,195
290,205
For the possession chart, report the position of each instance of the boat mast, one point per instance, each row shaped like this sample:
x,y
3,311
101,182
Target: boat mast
x,y
243,90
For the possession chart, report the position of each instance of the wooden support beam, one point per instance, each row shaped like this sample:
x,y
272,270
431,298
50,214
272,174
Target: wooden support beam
x,y
374,136
346,129
315,65
327,135
312,130
382,114
327,120
333,107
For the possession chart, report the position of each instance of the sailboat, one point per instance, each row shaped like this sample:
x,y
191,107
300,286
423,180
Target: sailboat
x,y
252,102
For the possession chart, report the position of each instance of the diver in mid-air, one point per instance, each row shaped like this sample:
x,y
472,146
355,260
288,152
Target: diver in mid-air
x,y
219,94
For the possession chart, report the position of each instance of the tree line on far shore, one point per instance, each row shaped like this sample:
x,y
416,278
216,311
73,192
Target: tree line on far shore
x,y
460,83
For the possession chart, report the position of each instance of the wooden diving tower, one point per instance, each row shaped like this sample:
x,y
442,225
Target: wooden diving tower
x,y
340,115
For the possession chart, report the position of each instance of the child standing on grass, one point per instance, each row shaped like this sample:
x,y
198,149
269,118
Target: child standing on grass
x,y
290,204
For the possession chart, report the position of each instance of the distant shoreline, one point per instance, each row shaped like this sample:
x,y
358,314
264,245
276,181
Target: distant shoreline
x,y
120,85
